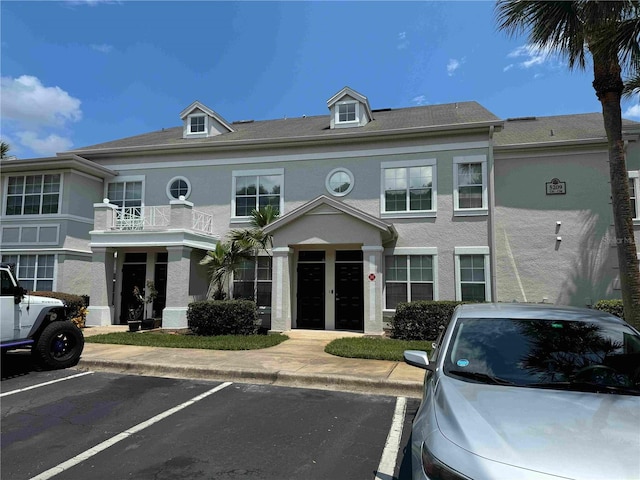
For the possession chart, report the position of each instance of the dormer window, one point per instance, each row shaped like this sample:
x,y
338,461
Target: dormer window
x,y
199,121
197,124
347,112
349,109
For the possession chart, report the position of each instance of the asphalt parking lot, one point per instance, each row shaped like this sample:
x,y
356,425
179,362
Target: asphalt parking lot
x,y
70,424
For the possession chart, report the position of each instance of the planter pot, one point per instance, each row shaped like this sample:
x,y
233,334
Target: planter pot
x,y
151,323
134,325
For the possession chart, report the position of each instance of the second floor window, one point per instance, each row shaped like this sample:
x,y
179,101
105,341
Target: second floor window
x,y
470,185
125,194
254,190
633,192
33,195
409,187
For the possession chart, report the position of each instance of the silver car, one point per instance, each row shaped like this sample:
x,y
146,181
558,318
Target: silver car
x,y
524,391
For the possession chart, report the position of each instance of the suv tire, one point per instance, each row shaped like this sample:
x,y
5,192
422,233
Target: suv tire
x,y
59,346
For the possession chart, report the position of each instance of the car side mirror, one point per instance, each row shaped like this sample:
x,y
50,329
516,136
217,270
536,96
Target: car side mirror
x,y
18,293
418,358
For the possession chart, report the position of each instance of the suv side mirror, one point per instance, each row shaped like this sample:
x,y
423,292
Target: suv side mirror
x,y
18,293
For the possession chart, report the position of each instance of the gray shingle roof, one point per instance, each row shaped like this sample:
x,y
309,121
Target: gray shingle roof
x,y
315,126
531,130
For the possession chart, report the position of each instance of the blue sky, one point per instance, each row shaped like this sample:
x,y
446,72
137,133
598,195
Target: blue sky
x,y
77,73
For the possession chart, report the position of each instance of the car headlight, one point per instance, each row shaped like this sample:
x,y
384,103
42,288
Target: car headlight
x,y
434,469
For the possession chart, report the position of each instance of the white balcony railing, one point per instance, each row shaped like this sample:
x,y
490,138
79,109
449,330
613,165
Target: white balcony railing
x,y
158,218
202,222
141,218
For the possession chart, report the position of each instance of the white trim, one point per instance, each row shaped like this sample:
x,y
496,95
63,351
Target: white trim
x,y
487,269
46,251
175,179
406,164
254,173
484,210
307,156
411,251
635,176
327,182
204,132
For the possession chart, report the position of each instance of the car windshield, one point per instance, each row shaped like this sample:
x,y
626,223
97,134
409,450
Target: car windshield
x,y
580,355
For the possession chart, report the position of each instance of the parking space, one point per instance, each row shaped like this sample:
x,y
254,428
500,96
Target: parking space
x,y
115,426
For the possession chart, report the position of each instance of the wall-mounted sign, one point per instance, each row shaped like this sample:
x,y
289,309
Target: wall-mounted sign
x,y
372,277
556,187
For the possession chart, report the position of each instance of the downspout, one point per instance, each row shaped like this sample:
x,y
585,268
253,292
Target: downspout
x,y
492,223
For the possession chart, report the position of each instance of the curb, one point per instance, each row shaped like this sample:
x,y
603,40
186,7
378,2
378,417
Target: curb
x,y
344,383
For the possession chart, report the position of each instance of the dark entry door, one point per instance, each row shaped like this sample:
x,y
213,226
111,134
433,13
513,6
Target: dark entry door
x,y
310,296
349,296
133,275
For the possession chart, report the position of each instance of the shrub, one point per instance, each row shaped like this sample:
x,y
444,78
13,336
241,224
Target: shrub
x,y
75,305
223,317
421,320
613,307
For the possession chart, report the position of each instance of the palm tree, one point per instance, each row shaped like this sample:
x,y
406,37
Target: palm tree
x,y
4,149
608,32
222,262
632,86
243,244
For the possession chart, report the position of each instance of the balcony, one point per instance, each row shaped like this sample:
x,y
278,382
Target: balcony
x,y
152,224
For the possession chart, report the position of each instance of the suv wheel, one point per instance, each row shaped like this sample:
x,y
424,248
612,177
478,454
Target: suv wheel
x,y
59,345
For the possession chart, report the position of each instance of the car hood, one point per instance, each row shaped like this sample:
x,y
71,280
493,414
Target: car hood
x,y
568,434
35,299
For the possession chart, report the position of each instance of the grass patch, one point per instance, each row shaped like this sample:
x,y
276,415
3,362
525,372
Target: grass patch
x,y
172,340
374,348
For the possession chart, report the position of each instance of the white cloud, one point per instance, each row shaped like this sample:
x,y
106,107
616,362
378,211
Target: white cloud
x,y
402,41
531,55
25,99
632,112
420,100
47,146
102,48
452,66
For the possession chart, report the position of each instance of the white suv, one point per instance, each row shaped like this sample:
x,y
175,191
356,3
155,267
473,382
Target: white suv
x,y
39,323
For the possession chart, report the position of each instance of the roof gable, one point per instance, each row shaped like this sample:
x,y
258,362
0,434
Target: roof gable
x,y
215,124
348,95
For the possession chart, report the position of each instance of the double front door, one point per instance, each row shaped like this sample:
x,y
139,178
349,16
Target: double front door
x,y
344,290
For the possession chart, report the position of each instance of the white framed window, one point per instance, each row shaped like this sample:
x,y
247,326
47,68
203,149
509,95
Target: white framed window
x,y
33,194
34,272
409,188
473,280
252,281
347,113
127,193
339,182
197,124
254,189
634,190
470,185
410,275
178,187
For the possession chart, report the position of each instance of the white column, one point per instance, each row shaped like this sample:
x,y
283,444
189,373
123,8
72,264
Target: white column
x,y
373,269
101,311
174,314
281,289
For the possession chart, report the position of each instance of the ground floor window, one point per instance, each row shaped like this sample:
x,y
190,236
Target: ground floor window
x,y
252,281
472,272
408,278
35,272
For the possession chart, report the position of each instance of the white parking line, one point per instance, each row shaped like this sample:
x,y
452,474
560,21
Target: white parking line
x,y
52,472
12,392
390,452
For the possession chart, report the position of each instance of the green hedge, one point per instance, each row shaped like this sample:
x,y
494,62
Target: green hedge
x,y
613,307
74,303
421,320
223,317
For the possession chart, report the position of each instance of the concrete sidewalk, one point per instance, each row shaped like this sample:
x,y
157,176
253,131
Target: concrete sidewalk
x,y
297,362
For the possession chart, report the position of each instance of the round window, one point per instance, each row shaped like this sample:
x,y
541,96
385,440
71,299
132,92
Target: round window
x,y
339,182
178,187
